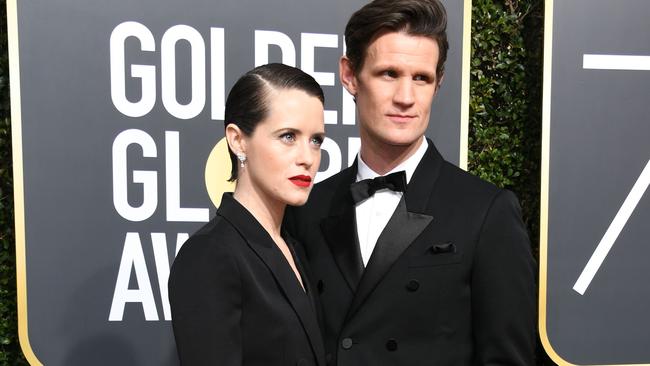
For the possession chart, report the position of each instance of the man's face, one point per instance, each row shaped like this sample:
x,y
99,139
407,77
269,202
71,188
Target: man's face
x,y
394,89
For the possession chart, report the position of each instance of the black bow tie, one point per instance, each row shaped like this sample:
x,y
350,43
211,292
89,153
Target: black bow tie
x,y
363,189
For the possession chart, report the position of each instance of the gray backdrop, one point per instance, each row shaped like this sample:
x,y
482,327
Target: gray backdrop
x,y
599,130
76,237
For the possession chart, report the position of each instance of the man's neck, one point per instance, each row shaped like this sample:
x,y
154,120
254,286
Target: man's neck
x,y
383,158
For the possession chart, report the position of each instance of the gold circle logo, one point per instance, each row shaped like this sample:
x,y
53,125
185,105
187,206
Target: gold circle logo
x,y
217,172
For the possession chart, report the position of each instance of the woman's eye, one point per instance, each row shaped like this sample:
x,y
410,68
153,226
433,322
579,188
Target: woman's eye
x,y
288,137
318,141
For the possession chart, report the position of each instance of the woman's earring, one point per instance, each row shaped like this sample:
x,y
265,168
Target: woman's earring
x,y
242,159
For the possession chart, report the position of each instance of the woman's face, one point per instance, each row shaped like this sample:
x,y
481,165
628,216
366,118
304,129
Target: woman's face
x,y
284,149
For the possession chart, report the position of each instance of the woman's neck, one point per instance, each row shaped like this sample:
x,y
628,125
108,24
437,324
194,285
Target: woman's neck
x,y
269,213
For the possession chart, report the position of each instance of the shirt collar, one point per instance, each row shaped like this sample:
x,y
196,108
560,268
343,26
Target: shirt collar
x,y
408,165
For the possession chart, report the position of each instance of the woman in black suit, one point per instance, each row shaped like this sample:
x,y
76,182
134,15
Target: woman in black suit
x,y
238,290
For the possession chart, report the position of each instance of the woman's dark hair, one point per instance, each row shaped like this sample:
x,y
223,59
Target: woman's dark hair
x,y
248,102
415,17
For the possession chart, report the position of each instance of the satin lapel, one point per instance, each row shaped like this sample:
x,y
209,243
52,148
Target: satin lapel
x,y
299,300
310,323
420,187
340,231
262,244
401,230
406,224
341,236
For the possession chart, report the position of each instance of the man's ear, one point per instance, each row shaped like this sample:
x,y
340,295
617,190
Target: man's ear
x,y
346,73
439,84
235,138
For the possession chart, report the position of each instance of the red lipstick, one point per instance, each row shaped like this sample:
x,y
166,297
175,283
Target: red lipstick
x,y
301,180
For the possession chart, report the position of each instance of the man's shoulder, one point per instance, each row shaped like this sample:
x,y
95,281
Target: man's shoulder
x,y
466,180
458,190
437,174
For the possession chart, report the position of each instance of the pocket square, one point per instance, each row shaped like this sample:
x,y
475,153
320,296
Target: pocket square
x,y
446,247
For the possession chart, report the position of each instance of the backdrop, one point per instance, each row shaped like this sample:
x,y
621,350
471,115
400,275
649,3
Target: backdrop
x,y
117,119
594,295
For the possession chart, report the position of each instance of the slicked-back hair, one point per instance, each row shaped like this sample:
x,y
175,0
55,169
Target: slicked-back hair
x,y
248,101
426,18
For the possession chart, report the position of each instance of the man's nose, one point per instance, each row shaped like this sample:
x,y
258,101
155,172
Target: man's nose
x,y
404,92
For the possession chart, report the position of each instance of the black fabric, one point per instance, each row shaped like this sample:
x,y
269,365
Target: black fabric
x,y
363,189
451,280
235,300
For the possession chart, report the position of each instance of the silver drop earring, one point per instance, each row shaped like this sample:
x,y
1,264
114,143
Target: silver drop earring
x,y
242,159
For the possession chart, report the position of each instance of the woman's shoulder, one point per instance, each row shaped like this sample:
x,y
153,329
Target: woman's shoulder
x,y
216,238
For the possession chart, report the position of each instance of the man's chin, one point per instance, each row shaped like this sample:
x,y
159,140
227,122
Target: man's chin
x,y
402,141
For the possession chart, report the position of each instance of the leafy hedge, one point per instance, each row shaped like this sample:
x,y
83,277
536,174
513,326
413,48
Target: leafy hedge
x,y
504,141
505,103
10,353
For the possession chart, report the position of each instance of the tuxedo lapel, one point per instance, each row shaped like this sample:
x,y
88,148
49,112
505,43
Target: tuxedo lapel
x,y
400,231
261,243
420,187
339,230
341,236
407,222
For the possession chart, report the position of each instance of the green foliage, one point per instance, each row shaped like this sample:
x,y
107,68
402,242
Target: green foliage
x,y
10,353
505,103
505,90
498,103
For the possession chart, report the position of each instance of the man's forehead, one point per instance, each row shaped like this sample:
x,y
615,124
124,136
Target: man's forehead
x,y
402,48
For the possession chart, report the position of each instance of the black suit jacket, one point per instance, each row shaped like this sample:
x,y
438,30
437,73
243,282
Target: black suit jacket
x,y
236,301
451,280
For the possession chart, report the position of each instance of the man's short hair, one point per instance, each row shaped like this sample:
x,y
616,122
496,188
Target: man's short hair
x,y
414,17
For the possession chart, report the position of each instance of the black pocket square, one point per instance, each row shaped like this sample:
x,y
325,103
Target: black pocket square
x,y
446,247
436,255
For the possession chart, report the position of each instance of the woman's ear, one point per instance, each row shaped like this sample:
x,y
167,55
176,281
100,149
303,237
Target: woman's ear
x,y
235,138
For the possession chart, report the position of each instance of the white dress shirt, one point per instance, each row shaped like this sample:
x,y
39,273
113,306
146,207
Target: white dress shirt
x,y
373,214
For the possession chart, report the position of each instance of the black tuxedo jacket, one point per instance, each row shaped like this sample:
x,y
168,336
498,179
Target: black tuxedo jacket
x,y
451,280
236,301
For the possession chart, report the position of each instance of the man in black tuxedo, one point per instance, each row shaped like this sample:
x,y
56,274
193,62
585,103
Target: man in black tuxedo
x,y
418,262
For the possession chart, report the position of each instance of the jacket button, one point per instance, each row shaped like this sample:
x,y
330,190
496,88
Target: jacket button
x,y
391,345
320,286
346,343
413,285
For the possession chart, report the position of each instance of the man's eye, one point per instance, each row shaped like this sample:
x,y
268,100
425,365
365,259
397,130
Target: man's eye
x,y
389,74
423,78
288,137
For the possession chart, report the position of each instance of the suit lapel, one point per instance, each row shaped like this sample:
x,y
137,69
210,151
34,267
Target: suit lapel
x,y
299,300
309,322
400,231
262,244
407,222
341,236
340,231
420,187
